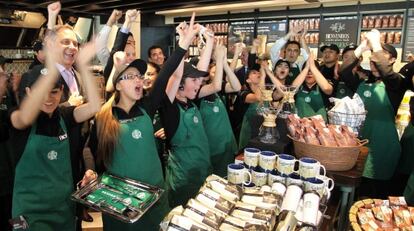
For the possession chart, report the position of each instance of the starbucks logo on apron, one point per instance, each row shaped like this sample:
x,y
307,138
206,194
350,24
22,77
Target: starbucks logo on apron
x,y
308,99
342,91
367,94
52,155
136,134
195,119
216,109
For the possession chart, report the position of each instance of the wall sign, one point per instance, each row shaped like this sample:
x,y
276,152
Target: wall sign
x,y
338,30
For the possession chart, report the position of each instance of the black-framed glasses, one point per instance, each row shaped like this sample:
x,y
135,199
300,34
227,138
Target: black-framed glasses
x,y
131,77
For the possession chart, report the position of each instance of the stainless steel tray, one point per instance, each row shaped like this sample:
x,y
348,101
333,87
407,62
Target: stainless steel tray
x,y
81,194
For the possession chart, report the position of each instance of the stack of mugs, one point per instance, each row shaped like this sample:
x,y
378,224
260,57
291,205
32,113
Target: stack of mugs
x,y
287,176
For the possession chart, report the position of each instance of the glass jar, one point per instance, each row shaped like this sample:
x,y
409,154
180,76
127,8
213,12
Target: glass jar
x,y
378,22
390,37
365,22
393,21
371,22
399,21
397,37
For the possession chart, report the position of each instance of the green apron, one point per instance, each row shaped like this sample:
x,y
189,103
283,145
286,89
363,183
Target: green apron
x,y
310,103
246,130
136,157
379,128
342,91
223,146
43,183
189,160
406,164
293,73
409,190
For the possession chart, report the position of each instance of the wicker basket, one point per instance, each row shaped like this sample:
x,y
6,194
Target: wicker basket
x,y
353,218
333,158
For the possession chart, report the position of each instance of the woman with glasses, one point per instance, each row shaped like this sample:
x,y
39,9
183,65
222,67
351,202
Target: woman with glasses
x,y
122,138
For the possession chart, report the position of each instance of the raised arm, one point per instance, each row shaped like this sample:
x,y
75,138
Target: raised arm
x,y
237,52
186,33
87,110
30,107
233,83
323,84
120,40
301,77
216,84
204,62
103,35
278,45
53,11
304,50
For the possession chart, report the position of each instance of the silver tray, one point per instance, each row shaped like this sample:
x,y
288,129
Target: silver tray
x,y
80,197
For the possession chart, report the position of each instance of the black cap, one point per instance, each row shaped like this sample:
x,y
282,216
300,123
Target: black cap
x,y
349,48
191,71
37,45
390,49
4,60
139,64
330,46
281,61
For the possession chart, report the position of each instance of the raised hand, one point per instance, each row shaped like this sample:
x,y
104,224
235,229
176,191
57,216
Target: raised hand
x,y
131,15
115,16
238,48
220,52
120,60
187,32
54,9
86,53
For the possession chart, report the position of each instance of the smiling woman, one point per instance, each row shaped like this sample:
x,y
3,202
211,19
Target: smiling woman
x,y
46,138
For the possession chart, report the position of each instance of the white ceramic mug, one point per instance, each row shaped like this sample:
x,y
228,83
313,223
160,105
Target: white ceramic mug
x,y
259,176
310,208
291,198
237,174
251,157
267,160
309,167
329,182
285,163
317,185
275,176
278,188
294,178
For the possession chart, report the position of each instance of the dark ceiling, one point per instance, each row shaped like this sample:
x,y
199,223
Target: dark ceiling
x,y
106,6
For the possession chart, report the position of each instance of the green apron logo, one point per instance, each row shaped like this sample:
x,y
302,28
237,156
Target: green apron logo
x,y
342,91
216,109
52,155
367,94
195,119
136,134
308,99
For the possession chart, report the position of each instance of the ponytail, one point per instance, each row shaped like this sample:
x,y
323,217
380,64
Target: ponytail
x,y
107,131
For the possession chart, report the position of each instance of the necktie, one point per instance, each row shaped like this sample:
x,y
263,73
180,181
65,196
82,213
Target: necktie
x,y
71,82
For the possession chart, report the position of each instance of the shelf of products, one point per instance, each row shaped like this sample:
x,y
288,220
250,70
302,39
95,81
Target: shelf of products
x,y
311,25
389,25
